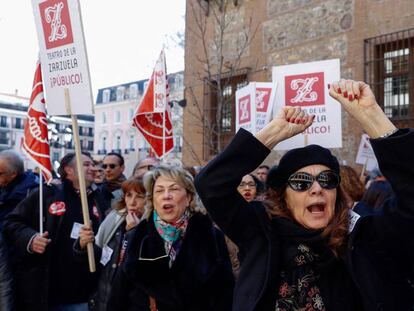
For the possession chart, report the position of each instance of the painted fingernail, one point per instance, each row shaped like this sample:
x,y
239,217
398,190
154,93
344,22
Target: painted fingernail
x,y
339,90
297,121
304,120
356,96
351,97
345,94
329,86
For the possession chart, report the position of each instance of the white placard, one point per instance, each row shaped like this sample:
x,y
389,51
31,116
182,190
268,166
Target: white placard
x,y
305,85
63,56
245,108
265,101
366,154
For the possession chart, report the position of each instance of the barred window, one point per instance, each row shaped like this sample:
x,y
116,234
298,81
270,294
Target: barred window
x,y
389,69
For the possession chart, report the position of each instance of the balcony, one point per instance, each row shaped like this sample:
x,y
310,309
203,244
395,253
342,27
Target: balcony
x,y
117,151
102,151
4,141
128,150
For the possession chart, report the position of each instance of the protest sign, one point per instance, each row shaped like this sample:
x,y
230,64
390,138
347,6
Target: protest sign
x,y
245,108
63,56
305,85
365,155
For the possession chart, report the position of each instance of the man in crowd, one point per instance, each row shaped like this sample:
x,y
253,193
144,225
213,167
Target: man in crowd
x,y
144,165
113,165
261,173
15,184
47,277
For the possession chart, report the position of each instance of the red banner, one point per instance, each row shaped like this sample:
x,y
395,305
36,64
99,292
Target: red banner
x,y
35,142
148,119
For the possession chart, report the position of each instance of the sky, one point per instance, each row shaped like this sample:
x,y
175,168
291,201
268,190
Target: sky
x,y
123,39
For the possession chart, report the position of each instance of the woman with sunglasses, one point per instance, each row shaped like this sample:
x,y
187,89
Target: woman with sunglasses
x,y
110,238
176,260
304,249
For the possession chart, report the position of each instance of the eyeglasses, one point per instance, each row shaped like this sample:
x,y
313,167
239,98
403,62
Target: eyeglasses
x,y
248,185
302,181
111,166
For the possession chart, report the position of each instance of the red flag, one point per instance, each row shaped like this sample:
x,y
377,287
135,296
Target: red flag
x,y
35,142
149,116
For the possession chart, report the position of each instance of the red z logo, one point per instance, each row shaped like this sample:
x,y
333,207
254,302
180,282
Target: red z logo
x,y
305,90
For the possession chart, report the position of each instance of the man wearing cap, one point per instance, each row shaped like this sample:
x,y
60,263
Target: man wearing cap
x,y
47,276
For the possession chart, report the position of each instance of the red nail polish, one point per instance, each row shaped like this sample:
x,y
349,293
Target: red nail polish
x,y
356,96
297,121
329,86
345,94
351,97
339,90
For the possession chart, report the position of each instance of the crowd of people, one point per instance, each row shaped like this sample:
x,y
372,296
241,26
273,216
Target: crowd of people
x,y
305,234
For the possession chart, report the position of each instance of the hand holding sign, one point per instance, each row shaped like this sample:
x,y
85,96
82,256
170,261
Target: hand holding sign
x,y
359,101
289,122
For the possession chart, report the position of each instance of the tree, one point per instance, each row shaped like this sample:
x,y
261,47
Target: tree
x,y
220,39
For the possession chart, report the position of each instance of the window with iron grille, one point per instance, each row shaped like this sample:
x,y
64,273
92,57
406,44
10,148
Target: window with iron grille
x,y
229,86
389,70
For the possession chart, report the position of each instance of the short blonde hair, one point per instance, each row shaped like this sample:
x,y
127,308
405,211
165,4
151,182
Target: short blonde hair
x,y
178,174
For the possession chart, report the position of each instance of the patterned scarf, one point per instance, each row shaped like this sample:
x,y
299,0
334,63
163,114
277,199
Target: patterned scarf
x,y
304,255
172,233
298,289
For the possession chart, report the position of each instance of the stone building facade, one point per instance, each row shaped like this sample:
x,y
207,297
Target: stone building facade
x,y
374,40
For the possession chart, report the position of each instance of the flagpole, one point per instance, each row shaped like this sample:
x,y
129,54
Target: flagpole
x,y
41,202
81,176
163,136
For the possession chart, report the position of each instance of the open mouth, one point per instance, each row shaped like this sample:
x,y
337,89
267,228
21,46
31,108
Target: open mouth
x,y
316,209
168,207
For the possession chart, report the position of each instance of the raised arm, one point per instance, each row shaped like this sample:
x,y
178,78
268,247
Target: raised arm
x,y
217,182
393,149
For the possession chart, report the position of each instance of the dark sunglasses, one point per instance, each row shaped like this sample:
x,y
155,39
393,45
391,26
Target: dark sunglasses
x,y
302,181
111,166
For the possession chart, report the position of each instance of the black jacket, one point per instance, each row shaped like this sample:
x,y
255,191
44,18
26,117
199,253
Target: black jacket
x,y
6,293
32,271
200,278
16,191
375,246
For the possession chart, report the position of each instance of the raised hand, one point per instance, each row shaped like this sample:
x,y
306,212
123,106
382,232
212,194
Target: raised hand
x,y
86,236
132,220
358,100
289,122
39,243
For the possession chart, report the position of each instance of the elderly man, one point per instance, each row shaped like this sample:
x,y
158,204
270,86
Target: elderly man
x,y
47,276
15,184
144,165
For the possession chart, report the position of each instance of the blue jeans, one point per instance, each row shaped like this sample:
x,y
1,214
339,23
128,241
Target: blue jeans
x,y
74,307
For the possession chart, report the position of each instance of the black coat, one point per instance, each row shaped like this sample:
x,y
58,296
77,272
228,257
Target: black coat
x,y
18,189
31,271
200,278
375,245
6,293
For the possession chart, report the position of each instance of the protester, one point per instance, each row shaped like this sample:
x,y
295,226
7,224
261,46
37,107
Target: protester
x,y
262,172
6,281
144,165
114,166
306,252
15,183
379,191
175,259
351,184
250,187
111,236
99,177
47,276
